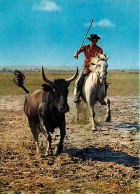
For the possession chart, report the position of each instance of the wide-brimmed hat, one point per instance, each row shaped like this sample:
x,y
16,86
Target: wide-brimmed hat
x,y
94,36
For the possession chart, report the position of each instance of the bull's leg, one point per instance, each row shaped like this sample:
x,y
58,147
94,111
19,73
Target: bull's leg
x,y
49,148
48,136
62,135
34,126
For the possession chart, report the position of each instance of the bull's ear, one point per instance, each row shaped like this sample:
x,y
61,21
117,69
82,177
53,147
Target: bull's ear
x,y
46,87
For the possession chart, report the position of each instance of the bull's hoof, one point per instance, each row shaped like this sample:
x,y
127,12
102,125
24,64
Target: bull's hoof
x,y
108,119
48,152
59,150
38,155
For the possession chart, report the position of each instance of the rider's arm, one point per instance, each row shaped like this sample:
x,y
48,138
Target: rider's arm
x,y
78,52
101,51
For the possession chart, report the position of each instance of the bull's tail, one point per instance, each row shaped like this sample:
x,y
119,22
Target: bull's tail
x,y
19,80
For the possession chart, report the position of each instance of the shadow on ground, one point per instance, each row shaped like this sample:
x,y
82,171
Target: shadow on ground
x,y
105,154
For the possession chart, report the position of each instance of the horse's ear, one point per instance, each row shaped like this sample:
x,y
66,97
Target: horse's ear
x,y
106,56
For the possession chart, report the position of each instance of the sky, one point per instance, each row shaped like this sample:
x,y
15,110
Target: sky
x,y
48,32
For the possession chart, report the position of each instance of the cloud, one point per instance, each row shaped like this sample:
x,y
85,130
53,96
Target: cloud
x,y
102,23
45,5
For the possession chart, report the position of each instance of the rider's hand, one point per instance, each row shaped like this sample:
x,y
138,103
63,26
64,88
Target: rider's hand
x,y
76,56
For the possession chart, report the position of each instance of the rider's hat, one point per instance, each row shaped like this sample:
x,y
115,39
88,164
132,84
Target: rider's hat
x,y
94,36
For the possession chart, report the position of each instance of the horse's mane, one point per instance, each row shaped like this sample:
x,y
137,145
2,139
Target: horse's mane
x,y
102,57
98,57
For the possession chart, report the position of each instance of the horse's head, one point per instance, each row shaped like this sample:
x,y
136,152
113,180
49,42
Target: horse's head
x,y
99,64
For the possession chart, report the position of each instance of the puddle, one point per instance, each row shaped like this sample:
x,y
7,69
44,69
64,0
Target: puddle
x,y
123,126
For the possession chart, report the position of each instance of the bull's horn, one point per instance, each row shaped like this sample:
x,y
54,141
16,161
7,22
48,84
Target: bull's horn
x,y
73,77
45,79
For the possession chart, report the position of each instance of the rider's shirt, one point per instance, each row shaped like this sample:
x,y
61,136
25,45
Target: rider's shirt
x,y
89,52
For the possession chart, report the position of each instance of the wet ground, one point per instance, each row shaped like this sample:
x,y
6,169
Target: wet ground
x,y
105,161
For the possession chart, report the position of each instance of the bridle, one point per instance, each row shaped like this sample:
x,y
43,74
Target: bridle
x,y
96,70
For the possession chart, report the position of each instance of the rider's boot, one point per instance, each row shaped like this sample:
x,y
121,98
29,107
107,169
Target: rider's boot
x,y
78,87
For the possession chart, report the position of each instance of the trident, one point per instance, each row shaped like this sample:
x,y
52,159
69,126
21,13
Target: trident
x,y
87,33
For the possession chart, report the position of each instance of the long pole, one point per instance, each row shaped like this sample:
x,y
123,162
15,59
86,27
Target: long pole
x,y
87,33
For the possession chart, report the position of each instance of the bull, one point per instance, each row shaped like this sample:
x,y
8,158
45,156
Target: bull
x,y
46,108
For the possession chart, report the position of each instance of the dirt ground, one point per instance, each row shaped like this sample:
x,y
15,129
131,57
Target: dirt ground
x,y
105,161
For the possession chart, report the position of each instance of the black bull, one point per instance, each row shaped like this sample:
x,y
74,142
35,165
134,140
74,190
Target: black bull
x,y
46,108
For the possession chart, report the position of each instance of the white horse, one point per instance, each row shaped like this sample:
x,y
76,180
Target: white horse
x,y
94,87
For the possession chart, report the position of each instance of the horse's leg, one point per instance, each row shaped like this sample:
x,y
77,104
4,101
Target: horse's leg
x,y
108,116
106,102
92,112
91,100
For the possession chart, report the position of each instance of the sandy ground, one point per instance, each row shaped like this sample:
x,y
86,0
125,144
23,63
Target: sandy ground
x,y
105,161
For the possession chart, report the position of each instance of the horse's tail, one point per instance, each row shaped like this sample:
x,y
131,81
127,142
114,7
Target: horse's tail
x,y
19,80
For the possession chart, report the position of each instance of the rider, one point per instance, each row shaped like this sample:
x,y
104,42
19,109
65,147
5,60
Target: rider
x,y
89,52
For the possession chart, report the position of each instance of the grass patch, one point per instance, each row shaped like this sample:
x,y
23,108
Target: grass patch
x,y
122,83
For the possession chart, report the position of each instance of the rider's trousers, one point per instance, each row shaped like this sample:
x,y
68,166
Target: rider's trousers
x,y
79,83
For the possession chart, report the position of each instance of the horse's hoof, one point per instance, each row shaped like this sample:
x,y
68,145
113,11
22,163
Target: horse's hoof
x,y
94,130
108,119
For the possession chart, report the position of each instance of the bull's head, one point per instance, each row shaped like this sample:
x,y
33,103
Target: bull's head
x,y
59,89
